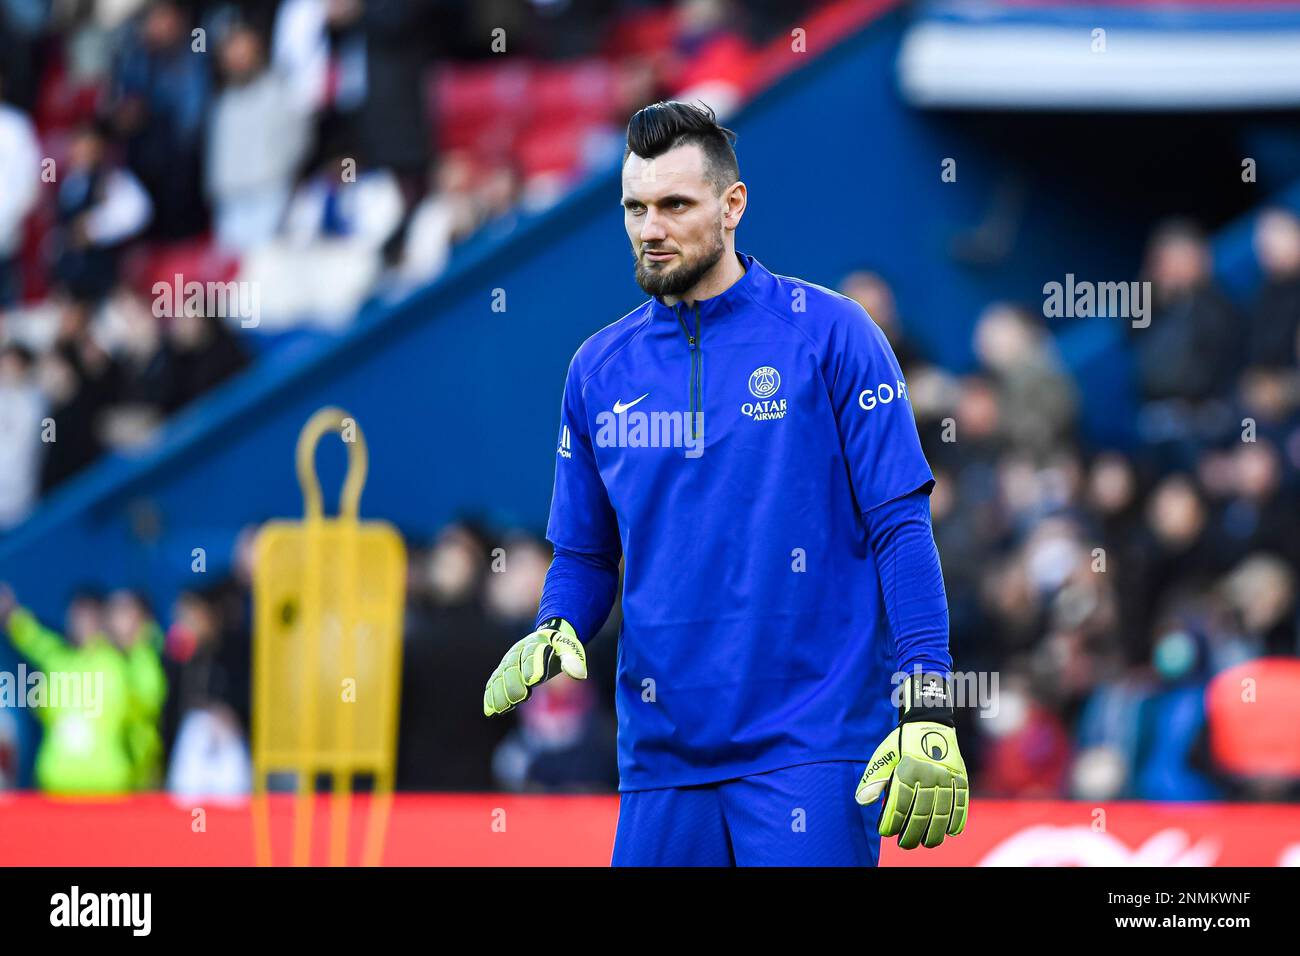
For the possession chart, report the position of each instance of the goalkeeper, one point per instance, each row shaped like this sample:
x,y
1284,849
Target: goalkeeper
x,y
743,441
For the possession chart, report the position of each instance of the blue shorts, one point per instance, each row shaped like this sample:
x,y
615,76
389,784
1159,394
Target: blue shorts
x,y
797,816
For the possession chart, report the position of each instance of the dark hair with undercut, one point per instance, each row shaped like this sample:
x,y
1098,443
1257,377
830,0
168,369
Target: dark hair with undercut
x,y
659,127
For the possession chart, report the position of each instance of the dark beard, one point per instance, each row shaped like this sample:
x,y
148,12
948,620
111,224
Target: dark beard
x,y
684,277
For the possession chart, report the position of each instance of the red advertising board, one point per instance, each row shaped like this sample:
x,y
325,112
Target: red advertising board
x,y
501,830
1061,833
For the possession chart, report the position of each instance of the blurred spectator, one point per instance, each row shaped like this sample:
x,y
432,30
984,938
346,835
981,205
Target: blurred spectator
x,y
1275,320
560,31
329,255
204,353
8,750
1172,760
206,662
136,634
20,171
447,643
231,601
1036,399
93,28
22,409
1177,551
1261,594
21,25
497,194
146,389
1191,349
1108,733
1028,753
714,58
161,93
210,757
392,117
83,748
100,207
159,368
1261,514
563,743
250,188
75,377
445,216
1114,498
375,94
1269,399
873,293
300,51
766,19
519,571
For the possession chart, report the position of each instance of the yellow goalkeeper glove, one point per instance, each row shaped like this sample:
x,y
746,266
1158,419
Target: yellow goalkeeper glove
x,y
552,648
920,769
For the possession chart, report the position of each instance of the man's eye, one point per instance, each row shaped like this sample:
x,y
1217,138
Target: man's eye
x,y
636,210
678,205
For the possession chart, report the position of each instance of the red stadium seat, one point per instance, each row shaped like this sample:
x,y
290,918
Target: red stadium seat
x,y
551,148
583,90
62,103
479,92
644,33
196,260
490,139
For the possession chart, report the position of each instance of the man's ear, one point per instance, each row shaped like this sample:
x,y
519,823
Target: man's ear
x,y
734,201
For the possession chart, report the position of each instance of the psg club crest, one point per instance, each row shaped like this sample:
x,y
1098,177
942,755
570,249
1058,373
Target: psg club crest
x,y
764,382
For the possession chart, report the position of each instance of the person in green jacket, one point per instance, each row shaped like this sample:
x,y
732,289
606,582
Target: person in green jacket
x,y
140,639
87,700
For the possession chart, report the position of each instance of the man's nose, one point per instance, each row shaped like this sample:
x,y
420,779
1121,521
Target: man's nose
x,y
652,229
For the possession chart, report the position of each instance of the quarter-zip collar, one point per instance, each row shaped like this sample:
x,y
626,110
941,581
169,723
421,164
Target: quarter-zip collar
x,y
733,299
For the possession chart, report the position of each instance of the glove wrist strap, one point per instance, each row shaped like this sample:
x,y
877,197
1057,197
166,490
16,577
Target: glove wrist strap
x,y
927,697
561,625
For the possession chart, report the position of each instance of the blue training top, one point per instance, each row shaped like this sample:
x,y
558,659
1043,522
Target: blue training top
x,y
728,450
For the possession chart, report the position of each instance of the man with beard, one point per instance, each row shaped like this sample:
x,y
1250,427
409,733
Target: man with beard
x,y
769,497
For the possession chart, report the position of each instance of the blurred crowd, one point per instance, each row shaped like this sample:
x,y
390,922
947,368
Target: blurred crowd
x,y
310,153
1107,589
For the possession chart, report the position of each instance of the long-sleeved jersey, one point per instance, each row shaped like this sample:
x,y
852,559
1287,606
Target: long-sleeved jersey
x,y
729,450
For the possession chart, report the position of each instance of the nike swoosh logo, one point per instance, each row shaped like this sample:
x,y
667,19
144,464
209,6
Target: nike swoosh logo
x,y
620,408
